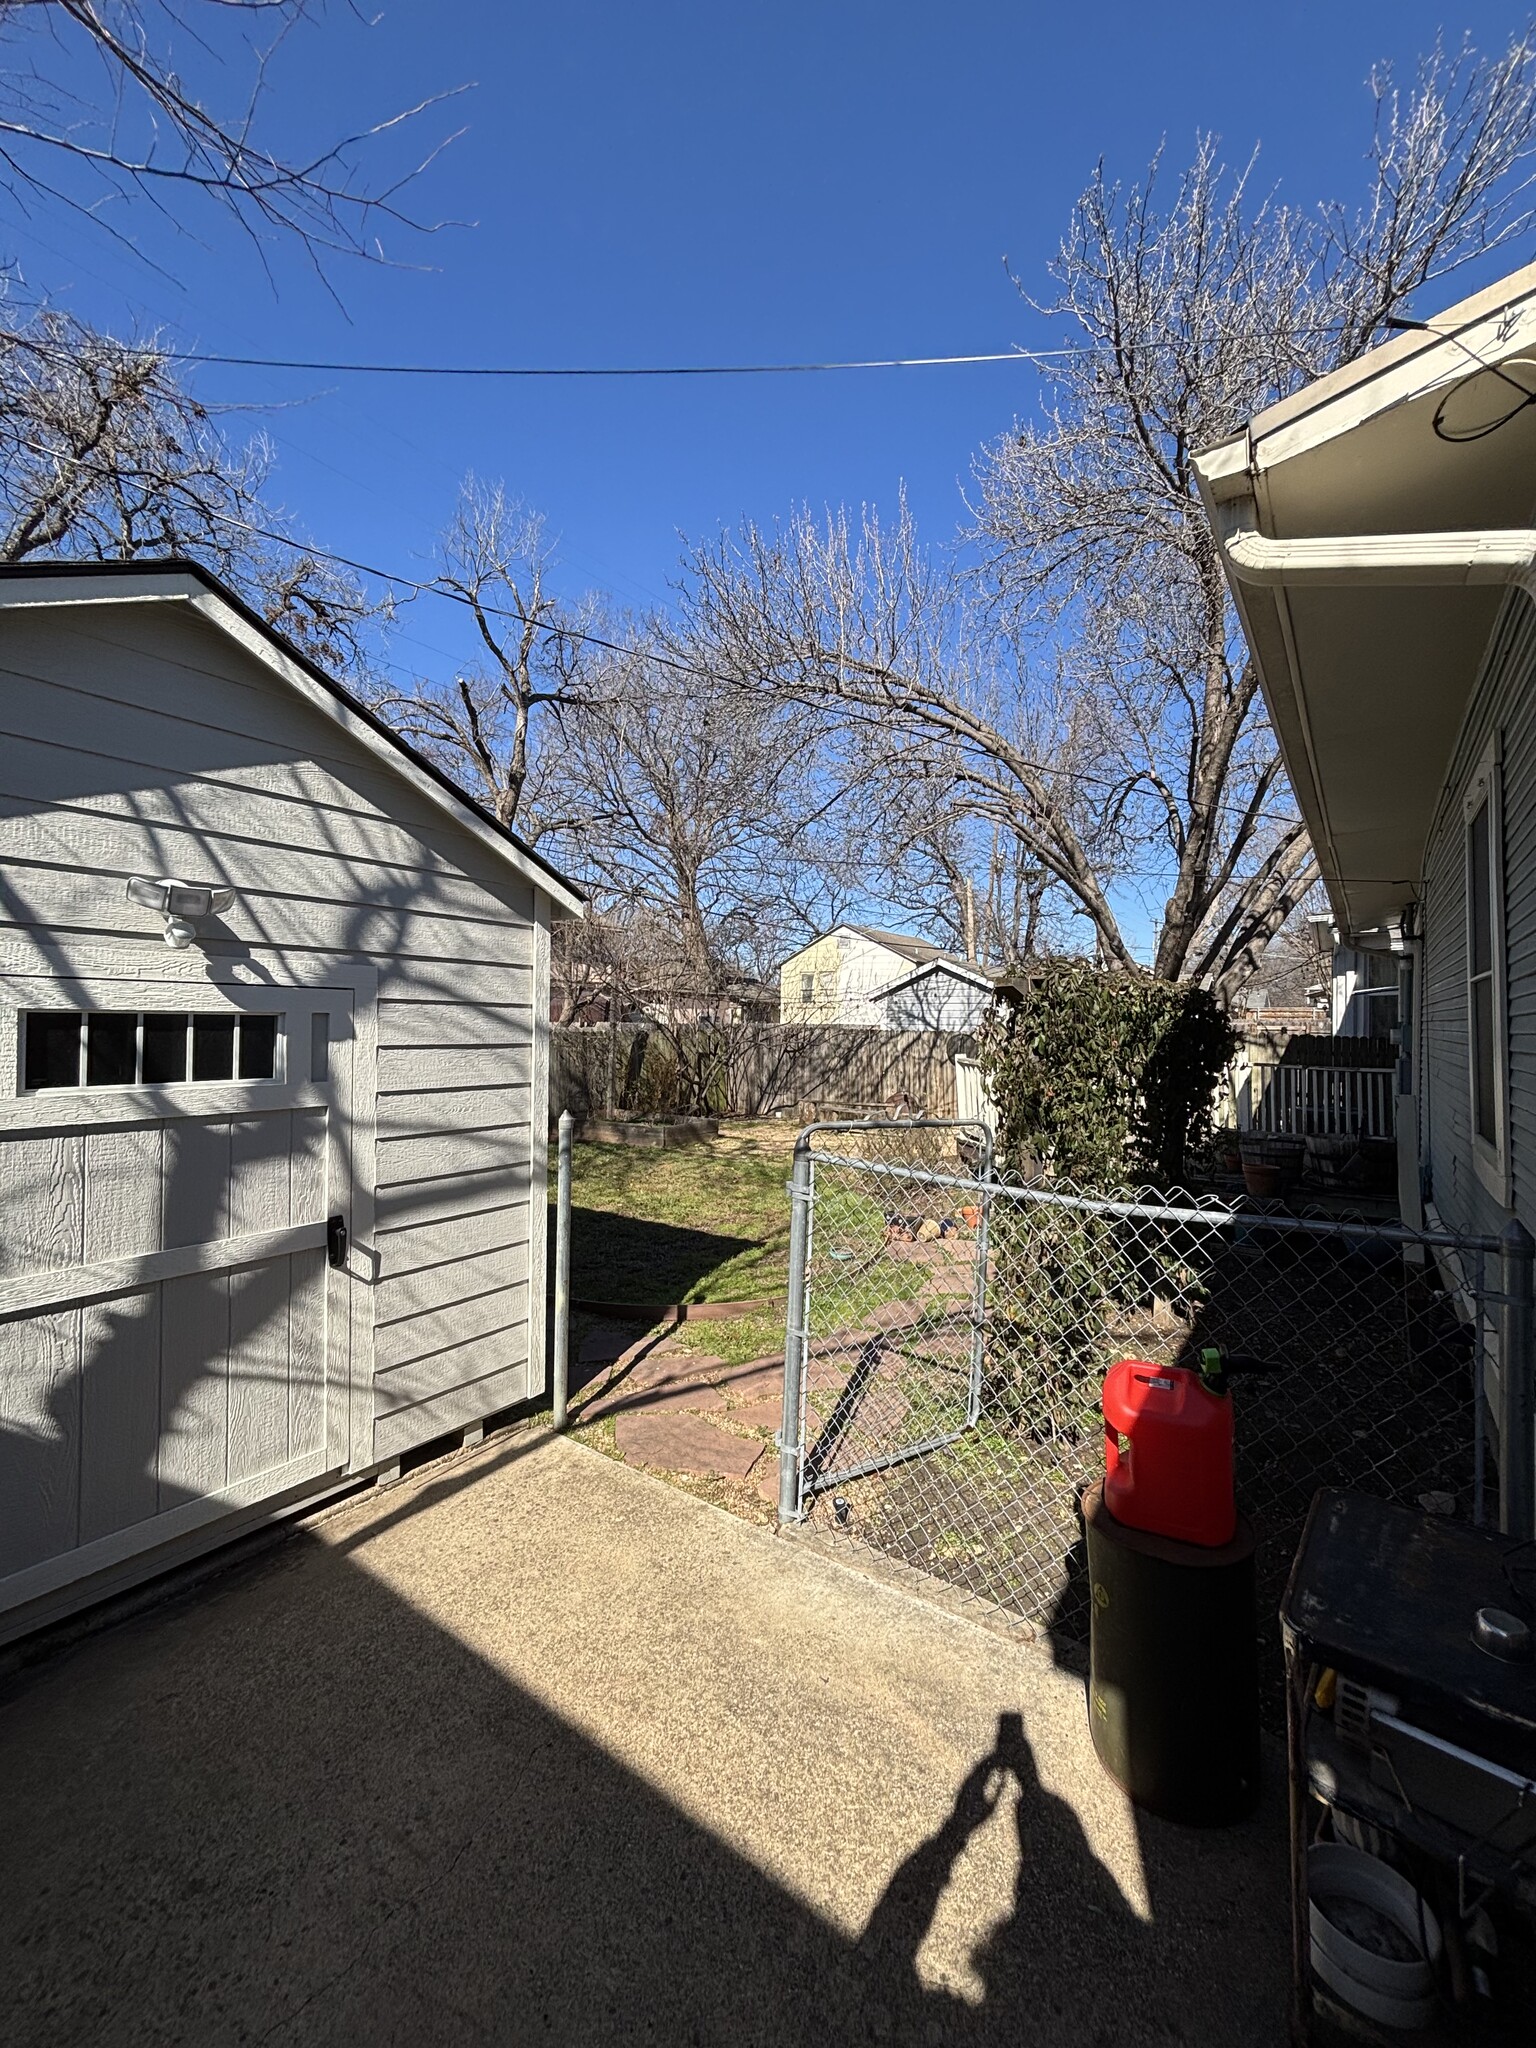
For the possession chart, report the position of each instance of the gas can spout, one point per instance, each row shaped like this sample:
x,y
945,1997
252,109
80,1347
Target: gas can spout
x,y
1217,1367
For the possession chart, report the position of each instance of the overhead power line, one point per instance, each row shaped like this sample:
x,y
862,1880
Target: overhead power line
x,y
1010,355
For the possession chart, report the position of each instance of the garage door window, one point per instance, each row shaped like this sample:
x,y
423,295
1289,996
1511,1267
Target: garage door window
x,y
150,1048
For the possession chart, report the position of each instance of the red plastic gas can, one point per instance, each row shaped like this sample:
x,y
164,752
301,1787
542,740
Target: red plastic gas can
x,y
1168,1453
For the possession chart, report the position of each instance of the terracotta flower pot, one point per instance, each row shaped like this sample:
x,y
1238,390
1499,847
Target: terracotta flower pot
x,y
1262,1181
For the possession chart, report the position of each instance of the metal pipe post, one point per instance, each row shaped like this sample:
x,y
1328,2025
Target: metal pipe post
x,y
795,1331
979,1289
562,1358
1517,1386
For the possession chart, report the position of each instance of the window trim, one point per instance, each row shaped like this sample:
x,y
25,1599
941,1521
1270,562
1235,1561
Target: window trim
x,y
82,1087
1490,1160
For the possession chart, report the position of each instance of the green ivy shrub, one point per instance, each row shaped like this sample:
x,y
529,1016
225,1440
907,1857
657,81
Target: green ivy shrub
x,y
1108,1079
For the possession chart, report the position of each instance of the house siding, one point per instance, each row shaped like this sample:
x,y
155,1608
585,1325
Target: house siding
x,y
937,1002
138,739
1503,703
848,968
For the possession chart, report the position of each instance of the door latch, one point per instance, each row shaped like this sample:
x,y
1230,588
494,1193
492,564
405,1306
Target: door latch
x,y
336,1241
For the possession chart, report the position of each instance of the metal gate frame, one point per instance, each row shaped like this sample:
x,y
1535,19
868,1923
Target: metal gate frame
x,y
796,1486
1501,1310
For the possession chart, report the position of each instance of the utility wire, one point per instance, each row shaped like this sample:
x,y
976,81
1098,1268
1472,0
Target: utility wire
x,y
1010,355
493,370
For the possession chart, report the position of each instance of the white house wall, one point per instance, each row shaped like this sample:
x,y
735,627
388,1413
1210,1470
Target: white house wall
x,y
136,739
865,967
938,1002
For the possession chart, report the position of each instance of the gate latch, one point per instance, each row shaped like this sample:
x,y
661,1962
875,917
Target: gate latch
x,y
336,1241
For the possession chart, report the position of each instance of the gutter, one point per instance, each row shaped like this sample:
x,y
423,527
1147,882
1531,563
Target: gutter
x,y
1497,555
1261,571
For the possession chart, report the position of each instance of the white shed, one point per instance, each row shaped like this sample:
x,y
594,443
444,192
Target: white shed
x,y
272,1195
940,995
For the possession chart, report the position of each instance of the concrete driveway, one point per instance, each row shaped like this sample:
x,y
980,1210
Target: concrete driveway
x,y
533,1748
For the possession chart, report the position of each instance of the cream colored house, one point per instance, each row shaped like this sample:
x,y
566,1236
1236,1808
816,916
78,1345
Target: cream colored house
x,y
837,978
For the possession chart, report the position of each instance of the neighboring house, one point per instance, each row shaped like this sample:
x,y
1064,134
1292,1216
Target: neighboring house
x,y
271,1193
1376,530
941,995
837,978
1364,993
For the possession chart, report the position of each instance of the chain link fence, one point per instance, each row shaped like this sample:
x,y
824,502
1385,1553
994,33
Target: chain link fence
x,y
950,1329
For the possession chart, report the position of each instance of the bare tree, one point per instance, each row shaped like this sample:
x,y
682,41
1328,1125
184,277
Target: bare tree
x,y
495,563
104,453
1089,696
864,630
96,104
699,814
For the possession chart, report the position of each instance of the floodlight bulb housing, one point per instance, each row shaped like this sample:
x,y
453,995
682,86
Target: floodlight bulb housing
x,y
180,903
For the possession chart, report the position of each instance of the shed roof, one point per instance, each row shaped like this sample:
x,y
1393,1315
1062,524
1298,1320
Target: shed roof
x,y
179,580
945,963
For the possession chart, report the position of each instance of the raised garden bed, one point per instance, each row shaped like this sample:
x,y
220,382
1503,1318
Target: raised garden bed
x,y
657,1133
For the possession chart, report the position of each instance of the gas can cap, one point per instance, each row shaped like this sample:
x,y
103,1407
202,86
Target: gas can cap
x,y
1501,1634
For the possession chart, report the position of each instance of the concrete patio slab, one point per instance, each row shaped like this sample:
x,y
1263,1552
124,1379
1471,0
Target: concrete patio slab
x,y
534,1749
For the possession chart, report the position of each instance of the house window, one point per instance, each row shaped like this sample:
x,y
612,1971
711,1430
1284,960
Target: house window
x,y
1485,978
807,988
149,1048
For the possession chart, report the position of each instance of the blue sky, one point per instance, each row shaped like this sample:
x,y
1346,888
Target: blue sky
x,y
686,182
681,182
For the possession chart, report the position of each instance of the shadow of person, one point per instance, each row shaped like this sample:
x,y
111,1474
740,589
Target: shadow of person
x,y
1073,1961
1038,1967
1059,1967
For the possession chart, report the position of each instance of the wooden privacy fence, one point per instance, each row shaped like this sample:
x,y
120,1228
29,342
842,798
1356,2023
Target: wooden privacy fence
x,y
809,1070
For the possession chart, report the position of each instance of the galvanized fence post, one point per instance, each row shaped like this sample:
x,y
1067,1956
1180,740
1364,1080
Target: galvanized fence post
x,y
980,1294
790,1448
561,1363
1517,1386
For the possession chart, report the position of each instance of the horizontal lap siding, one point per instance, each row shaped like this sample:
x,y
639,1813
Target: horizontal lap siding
x,y
1503,702
137,740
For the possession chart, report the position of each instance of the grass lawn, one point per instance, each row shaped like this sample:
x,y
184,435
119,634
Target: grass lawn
x,y
702,1223
710,1222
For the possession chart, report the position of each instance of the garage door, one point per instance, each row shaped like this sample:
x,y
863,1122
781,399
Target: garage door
x,y
174,1180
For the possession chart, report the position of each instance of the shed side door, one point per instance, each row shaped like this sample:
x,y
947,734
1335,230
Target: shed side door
x,y
173,1340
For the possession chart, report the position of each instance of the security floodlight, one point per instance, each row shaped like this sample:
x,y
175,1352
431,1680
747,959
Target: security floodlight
x,y
181,904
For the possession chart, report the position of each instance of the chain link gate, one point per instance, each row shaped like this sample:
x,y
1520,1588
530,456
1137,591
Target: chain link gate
x,y
949,1329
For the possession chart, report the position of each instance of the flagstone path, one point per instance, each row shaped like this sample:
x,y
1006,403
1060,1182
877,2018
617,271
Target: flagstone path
x,y
662,1399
